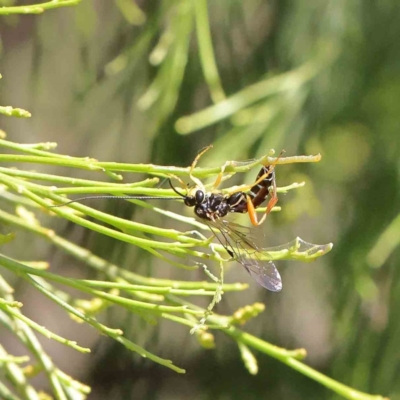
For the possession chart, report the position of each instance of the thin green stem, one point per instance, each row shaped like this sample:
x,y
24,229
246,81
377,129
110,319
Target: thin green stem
x,y
86,183
38,8
288,81
94,165
17,378
22,270
45,332
27,337
128,287
112,271
207,56
288,357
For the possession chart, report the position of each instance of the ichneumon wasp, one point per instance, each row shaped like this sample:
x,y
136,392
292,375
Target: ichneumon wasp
x,y
213,205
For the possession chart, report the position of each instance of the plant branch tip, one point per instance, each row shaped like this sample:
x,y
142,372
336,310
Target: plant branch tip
x,y
298,354
14,112
294,159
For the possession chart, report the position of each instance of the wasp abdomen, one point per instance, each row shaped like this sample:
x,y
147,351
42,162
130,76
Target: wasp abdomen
x,y
259,192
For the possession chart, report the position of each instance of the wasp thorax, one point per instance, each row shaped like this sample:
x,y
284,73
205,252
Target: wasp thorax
x,y
235,198
201,212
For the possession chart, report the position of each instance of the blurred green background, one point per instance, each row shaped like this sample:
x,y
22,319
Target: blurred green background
x,y
114,79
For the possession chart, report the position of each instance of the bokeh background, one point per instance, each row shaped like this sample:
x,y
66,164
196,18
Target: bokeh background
x,y
113,79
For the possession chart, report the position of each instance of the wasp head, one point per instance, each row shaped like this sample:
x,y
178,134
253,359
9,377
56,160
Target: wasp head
x,y
195,198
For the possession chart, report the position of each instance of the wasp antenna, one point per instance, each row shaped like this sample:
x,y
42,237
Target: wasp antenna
x,y
117,198
174,189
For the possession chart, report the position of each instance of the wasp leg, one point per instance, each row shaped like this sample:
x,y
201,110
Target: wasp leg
x,y
272,201
219,178
196,160
221,175
253,213
179,180
276,159
245,188
194,163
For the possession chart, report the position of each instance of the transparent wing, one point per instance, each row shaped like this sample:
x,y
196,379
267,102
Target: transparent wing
x,y
238,242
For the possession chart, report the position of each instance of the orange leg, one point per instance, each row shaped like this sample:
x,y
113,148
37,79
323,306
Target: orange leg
x,y
274,197
245,188
196,160
183,186
218,180
253,213
272,201
197,181
276,160
194,163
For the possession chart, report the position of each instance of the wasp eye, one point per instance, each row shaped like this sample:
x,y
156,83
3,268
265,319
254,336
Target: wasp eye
x,y
190,201
199,197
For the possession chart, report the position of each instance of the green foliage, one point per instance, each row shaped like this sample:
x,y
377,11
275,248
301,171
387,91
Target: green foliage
x,y
154,85
163,298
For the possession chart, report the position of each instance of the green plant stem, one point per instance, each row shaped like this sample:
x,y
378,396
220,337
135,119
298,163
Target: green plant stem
x,y
207,56
25,334
150,289
178,248
288,81
22,270
75,181
115,334
45,332
120,223
34,149
18,379
281,354
288,357
112,271
143,243
385,245
38,8
94,165
6,394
